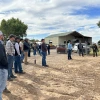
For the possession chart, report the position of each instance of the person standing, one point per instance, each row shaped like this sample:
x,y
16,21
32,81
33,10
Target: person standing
x,y
95,50
17,63
29,51
44,52
10,56
3,66
26,48
40,49
48,49
22,52
80,49
34,46
69,50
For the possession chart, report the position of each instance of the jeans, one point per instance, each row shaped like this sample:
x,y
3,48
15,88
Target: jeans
x,y
81,52
22,56
29,51
17,64
3,80
40,52
43,58
69,54
34,52
10,65
48,51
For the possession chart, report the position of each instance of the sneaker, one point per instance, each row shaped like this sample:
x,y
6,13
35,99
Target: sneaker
x,y
16,71
26,63
22,61
6,91
10,79
13,76
21,72
46,66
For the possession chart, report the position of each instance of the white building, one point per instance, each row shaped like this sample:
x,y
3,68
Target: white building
x,y
59,39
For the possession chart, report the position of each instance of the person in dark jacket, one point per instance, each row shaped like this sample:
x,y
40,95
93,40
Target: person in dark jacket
x,y
95,50
44,52
25,49
29,51
40,49
3,66
48,47
80,49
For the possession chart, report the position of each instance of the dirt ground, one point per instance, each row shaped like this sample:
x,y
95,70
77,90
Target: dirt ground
x,y
78,79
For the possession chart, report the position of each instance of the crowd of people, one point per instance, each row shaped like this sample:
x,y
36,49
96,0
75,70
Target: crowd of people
x,y
81,50
15,52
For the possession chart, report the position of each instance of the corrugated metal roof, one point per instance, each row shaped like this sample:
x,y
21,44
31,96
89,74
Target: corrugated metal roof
x,y
60,34
64,34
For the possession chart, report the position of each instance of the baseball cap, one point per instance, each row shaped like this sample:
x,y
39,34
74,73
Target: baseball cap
x,y
17,38
12,36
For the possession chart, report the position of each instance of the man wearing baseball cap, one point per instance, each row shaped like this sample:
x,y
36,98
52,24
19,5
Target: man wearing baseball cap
x,y
3,66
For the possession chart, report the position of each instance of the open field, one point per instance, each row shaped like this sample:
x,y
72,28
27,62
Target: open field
x,y
78,79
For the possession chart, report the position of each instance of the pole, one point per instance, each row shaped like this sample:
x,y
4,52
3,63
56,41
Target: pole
x,y
34,59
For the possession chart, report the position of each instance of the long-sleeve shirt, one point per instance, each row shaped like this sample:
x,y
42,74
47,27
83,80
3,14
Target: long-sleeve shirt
x,y
69,46
10,48
26,46
3,58
17,47
43,47
80,46
95,48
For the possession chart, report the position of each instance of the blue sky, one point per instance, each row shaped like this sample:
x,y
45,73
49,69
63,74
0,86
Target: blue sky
x,y
45,17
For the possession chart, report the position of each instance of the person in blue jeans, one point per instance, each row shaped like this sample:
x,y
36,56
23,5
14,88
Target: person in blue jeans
x,y
10,56
44,53
17,63
69,50
34,46
3,66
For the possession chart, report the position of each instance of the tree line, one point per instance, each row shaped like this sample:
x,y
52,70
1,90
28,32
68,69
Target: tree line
x,y
13,26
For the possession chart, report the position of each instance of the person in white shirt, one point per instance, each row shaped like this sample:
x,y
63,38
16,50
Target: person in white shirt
x,y
22,52
17,63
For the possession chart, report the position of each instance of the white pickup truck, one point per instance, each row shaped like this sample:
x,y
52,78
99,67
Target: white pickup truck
x,y
86,48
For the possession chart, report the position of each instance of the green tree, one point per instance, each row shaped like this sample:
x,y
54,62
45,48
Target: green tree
x,y
13,26
32,40
37,40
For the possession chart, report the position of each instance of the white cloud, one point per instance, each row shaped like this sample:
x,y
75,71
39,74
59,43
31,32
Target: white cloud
x,y
51,16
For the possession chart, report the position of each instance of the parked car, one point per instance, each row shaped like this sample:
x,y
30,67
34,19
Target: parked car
x,y
85,47
61,49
